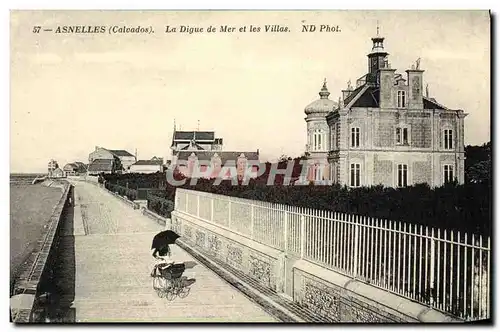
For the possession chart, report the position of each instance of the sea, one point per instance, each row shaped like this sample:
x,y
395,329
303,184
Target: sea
x,y
24,178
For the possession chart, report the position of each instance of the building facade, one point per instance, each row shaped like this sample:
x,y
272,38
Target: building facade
x,y
385,131
193,141
75,168
201,149
147,166
121,160
51,166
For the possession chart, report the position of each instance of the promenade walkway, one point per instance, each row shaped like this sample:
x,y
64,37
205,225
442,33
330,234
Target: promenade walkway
x,y
113,261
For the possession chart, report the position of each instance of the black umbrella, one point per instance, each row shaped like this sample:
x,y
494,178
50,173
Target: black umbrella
x,y
164,238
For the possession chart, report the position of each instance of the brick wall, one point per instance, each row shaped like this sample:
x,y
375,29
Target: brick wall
x,y
422,172
382,172
385,129
421,132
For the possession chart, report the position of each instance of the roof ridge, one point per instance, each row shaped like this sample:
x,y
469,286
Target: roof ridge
x,y
364,87
432,100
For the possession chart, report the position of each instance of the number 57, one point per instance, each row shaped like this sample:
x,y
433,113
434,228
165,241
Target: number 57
x,y
36,29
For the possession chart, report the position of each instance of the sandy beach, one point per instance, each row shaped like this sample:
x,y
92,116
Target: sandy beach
x,y
30,210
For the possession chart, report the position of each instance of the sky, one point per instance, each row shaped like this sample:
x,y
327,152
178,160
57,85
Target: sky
x,y
72,92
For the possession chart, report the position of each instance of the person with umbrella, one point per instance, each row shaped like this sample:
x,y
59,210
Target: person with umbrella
x,y
161,247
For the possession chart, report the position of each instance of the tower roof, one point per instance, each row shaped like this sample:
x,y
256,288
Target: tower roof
x,y
378,43
323,104
324,91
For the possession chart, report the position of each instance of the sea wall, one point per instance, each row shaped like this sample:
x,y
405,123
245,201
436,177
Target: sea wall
x,y
26,303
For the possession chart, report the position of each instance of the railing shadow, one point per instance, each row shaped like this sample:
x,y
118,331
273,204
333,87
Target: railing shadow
x,y
61,288
186,281
190,264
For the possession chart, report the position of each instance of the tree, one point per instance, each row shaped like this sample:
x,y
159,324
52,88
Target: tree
x,y
478,163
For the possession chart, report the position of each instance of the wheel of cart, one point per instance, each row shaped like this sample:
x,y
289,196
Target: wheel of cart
x,y
168,282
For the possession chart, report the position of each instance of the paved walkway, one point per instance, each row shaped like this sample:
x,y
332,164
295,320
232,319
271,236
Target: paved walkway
x,y
113,262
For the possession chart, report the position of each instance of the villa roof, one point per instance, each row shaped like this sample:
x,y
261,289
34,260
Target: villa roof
x,y
194,135
101,165
121,153
148,162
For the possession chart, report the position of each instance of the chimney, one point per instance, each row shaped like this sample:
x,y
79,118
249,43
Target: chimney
x,y
96,148
415,87
386,99
345,94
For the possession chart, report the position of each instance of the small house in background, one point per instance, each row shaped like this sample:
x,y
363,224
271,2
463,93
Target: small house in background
x,y
211,163
52,165
147,166
76,168
57,173
98,166
126,158
120,160
82,168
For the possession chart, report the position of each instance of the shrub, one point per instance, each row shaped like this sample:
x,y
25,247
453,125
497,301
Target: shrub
x,y
460,207
131,194
160,205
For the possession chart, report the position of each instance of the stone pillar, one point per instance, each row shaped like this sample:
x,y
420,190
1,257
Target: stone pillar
x,y
386,88
415,100
343,143
343,169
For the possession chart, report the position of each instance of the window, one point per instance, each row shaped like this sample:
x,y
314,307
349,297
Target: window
x,y
332,138
448,173
318,140
402,135
401,99
355,137
448,139
355,175
318,174
402,175
335,133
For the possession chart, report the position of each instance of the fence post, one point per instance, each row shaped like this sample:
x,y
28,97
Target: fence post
x,y
211,208
187,199
198,205
433,253
252,224
302,236
355,251
285,224
229,210
176,199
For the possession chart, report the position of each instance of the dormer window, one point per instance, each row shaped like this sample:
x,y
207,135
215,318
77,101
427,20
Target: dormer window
x,y
401,99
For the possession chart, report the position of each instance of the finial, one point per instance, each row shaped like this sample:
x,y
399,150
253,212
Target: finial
x,y
377,29
198,129
418,63
324,91
349,85
174,125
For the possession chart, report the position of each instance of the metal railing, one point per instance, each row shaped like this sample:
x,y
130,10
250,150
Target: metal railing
x,y
446,270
